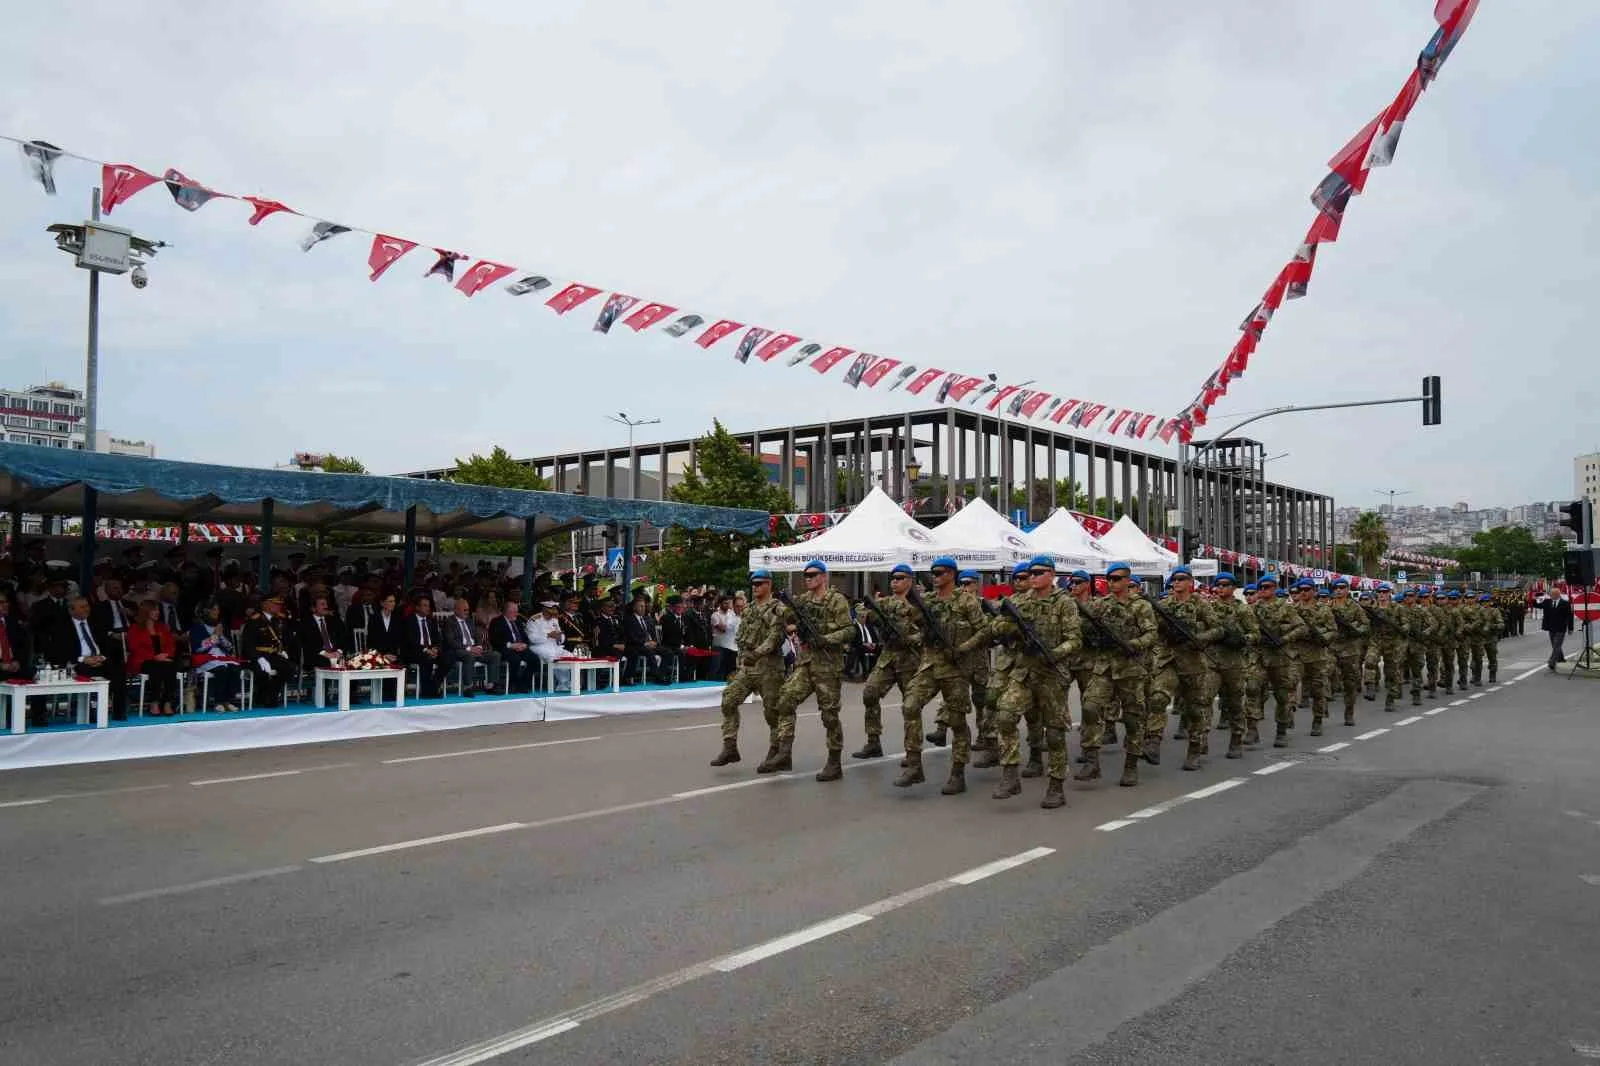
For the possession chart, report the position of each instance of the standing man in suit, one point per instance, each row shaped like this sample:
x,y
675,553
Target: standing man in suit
x,y
1558,623
358,617
465,645
420,647
113,614
508,637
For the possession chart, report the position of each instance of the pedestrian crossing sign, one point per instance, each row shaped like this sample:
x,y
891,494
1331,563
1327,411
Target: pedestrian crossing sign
x,y
614,560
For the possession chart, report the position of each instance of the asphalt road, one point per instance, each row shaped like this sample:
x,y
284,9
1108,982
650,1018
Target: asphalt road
x,y
592,891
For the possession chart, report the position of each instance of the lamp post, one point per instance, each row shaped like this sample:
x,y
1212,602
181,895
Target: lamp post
x,y
1392,493
621,418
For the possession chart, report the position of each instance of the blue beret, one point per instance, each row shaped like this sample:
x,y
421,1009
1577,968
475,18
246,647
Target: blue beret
x,y
1251,587
969,575
1324,594
1341,583
901,568
1305,583
944,562
1485,598
1283,594
1081,575
1020,568
1385,587
761,575
817,565
1452,595
1180,571
1112,568
1042,562
1225,576
1268,579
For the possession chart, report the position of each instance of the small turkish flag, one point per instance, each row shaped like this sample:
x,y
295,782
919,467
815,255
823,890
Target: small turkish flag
x,y
830,359
119,182
263,208
717,332
776,346
1063,411
571,297
481,276
647,316
1031,405
923,380
385,251
878,371
747,344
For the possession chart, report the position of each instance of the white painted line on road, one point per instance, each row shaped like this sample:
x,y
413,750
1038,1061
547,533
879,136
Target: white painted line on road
x,y
244,777
1372,733
1223,786
1112,827
1408,721
1585,1051
195,886
422,842
1331,748
1159,808
82,795
510,1042
714,789
1436,710
1497,688
894,903
1477,696
687,728
989,869
487,751
798,938
1275,768
1530,673
27,803
1458,703
1575,814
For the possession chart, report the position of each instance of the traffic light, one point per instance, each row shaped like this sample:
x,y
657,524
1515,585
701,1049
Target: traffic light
x,y
1189,545
1430,401
1574,516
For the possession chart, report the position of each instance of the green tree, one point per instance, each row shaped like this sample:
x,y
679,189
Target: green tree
x,y
1344,559
495,470
1507,551
1371,537
337,464
724,474
342,464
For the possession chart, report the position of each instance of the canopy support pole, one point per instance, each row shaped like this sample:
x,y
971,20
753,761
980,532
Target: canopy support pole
x,y
264,570
530,552
411,547
91,502
627,563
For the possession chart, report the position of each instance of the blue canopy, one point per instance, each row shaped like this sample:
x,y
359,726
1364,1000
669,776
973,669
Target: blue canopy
x,y
46,481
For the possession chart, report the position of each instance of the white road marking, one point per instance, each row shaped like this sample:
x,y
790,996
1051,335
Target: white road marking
x,y
27,803
1436,710
714,789
1223,786
487,751
1372,733
195,886
510,1042
1497,688
1408,721
1159,808
1575,814
1458,703
798,938
1530,673
687,728
1275,768
1477,695
1585,1051
978,873
421,842
1333,748
82,795
275,773
1112,827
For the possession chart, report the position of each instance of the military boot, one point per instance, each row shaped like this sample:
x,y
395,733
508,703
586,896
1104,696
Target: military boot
x,y
912,774
957,783
987,758
1371,691
1053,795
1433,692
1252,735
1349,716
1010,783
1449,689
1035,767
1090,770
1130,770
1191,758
831,770
729,752
1316,725
1416,699
1181,733
783,762
1108,735
1282,739
939,737
1235,746
1152,750
1388,704
769,765
1493,671
873,749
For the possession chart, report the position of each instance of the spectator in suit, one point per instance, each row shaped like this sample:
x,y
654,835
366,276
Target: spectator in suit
x,y
608,640
466,645
363,605
420,647
674,628
113,614
323,637
153,652
76,643
508,637
383,629
642,644
170,609
53,611
1558,623
266,651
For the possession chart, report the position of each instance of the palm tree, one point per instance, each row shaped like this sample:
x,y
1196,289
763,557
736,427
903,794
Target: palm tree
x,y
1371,537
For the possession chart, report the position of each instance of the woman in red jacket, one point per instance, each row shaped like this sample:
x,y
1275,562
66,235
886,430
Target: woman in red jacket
x,y
153,652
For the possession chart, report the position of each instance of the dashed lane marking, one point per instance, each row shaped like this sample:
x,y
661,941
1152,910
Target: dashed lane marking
x,y
1590,879
1223,786
1372,733
1113,826
1436,710
1477,695
274,773
1530,673
421,842
192,886
1458,703
1331,748
1408,721
1275,768
38,800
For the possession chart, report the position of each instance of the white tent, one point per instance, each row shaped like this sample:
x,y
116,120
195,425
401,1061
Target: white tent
x,y
875,535
1127,542
979,538
1062,537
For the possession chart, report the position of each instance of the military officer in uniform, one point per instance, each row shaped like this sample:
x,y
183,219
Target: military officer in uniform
x,y
1043,630
897,663
1233,653
819,621
1191,627
1353,630
1282,631
952,626
987,742
759,670
1123,672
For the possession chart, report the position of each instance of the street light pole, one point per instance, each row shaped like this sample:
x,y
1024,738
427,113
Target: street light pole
x,y
1392,493
91,370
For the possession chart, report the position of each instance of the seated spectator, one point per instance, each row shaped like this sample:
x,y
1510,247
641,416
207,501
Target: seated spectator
x,y
214,656
465,646
153,652
265,650
674,639
642,645
509,637
383,629
16,645
420,647
92,652
609,641
862,652
323,638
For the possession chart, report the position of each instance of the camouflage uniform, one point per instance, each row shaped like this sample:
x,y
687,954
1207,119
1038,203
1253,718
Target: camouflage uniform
x,y
1316,657
1354,628
1037,682
1419,631
1433,652
896,665
1281,669
1449,620
986,737
1463,643
1119,678
1099,720
819,668
759,670
1388,648
961,620
1486,642
1235,653
1186,669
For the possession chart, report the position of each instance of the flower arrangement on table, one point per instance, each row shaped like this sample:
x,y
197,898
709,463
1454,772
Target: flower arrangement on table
x,y
367,660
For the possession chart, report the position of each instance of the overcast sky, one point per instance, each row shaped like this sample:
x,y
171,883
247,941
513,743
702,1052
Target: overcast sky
x,y
1092,193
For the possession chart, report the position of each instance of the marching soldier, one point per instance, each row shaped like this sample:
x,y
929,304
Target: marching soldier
x,y
985,689
1419,630
1122,672
952,626
897,663
759,670
1255,674
1438,631
987,744
1388,647
819,621
1232,653
1486,643
1316,650
1190,627
1449,638
1353,630
1282,631
1044,633
1463,639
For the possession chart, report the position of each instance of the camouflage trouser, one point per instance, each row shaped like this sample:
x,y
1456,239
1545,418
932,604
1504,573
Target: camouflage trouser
x,y
1109,699
1481,650
988,723
896,668
955,688
984,704
978,683
1447,666
1347,671
1232,689
1315,663
1255,690
1390,655
1416,658
808,679
1433,655
1081,675
1281,675
747,679
1160,694
1194,698
1463,660
1042,694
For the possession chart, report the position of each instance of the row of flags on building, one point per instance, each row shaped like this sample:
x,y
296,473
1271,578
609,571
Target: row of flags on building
x,y
1373,146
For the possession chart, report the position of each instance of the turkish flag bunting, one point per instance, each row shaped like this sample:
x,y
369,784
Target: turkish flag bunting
x,y
878,371
1199,416
1298,272
1274,297
1165,430
776,346
923,380
962,386
717,332
385,251
481,276
1350,161
1143,426
1035,401
1064,410
1116,423
1090,413
1000,397
647,316
570,297
1185,430
119,182
830,359
1325,230
263,208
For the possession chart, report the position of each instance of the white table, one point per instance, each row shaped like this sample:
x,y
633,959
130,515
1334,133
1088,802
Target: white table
x,y
14,700
576,668
344,678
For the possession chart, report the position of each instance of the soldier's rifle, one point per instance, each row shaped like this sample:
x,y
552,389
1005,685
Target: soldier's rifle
x,y
1176,627
802,620
1271,639
1030,637
1107,634
940,637
896,636
1381,619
